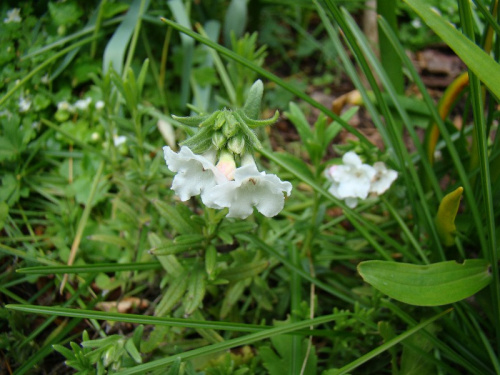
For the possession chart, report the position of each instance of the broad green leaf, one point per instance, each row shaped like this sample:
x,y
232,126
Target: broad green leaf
x,y
427,285
445,218
487,70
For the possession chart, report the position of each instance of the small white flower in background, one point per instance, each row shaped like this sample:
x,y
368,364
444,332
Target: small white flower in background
x,y
354,180
13,15
351,180
45,79
383,179
195,173
82,104
119,140
99,105
416,23
64,106
250,188
24,104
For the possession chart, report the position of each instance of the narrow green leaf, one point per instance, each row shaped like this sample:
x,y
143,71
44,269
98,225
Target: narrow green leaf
x,y
117,45
486,69
174,217
427,285
242,272
196,292
93,268
173,295
232,296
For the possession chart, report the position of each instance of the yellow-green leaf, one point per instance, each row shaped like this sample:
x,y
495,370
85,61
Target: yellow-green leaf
x,y
445,218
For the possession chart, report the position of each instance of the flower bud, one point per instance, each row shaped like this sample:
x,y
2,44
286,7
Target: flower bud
x,y
218,140
237,144
219,121
230,127
226,164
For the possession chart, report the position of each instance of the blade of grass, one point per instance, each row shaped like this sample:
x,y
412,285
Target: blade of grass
x,y
153,320
389,344
264,73
481,139
388,56
91,268
296,299
83,221
448,139
180,14
115,49
229,344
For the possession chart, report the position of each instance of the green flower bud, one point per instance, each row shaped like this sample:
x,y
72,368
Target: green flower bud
x,y
220,121
230,127
237,144
218,140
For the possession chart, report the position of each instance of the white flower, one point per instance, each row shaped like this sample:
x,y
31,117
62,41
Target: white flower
x,y
119,140
82,104
195,173
99,105
45,79
64,106
24,104
13,15
416,23
382,179
352,180
249,189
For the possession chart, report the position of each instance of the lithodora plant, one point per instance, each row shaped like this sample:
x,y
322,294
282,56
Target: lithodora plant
x,y
217,162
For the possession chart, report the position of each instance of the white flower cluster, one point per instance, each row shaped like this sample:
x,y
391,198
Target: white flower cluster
x,y
223,185
354,180
13,15
81,105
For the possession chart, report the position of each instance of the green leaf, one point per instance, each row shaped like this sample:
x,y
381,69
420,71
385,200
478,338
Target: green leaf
x,y
294,165
427,285
196,292
413,360
278,362
445,218
117,45
477,60
175,217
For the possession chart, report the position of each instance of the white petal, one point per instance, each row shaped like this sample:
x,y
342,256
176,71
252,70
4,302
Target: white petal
x,y
383,179
249,189
352,159
195,173
351,202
